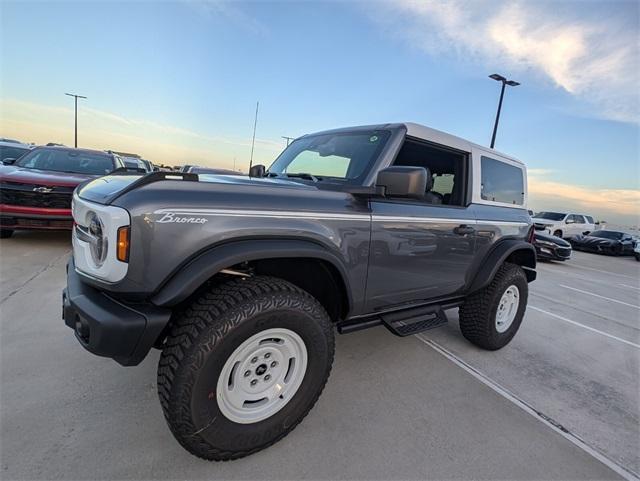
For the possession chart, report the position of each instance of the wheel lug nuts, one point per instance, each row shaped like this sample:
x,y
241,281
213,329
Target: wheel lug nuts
x,y
247,373
274,364
267,377
254,360
254,382
267,355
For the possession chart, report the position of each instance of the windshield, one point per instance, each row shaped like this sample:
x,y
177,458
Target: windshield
x,y
63,160
342,156
7,152
550,215
608,234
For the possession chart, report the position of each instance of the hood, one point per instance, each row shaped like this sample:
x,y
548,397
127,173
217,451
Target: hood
x,y
540,236
588,240
106,189
539,220
10,173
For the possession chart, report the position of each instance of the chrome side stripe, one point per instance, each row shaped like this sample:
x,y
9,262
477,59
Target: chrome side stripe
x,y
430,220
283,214
277,214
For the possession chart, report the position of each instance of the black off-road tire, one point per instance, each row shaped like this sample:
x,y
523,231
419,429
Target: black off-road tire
x,y
478,313
5,233
637,256
207,333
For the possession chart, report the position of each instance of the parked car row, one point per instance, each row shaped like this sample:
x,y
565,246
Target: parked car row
x,y
37,183
36,189
564,224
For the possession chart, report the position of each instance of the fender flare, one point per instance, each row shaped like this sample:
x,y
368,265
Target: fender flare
x,y
191,275
497,256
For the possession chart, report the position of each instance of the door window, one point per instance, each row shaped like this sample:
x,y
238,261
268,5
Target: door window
x,y
446,167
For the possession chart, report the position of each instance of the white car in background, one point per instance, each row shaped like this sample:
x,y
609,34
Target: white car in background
x,y
563,224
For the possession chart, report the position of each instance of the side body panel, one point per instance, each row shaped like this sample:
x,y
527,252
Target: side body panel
x,y
419,251
175,222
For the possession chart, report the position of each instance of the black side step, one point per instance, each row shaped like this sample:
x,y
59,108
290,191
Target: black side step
x,y
411,321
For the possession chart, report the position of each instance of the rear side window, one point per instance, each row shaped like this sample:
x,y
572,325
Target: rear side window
x,y
501,182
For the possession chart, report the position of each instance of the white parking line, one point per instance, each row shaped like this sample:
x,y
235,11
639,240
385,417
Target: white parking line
x,y
578,276
604,272
601,297
602,333
540,416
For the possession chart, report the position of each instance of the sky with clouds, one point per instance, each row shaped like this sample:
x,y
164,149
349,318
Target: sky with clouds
x,y
177,81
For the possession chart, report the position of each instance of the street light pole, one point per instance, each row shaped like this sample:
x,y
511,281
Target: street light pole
x,y
288,139
76,97
505,82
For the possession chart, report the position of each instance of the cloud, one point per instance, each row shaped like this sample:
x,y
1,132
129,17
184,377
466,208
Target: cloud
x,y
100,129
621,206
595,61
230,11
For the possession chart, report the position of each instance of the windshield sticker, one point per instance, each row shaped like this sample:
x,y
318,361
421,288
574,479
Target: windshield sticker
x,y
373,138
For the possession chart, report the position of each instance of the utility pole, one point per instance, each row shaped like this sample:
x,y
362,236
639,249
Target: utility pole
x,y
76,97
253,142
288,139
505,82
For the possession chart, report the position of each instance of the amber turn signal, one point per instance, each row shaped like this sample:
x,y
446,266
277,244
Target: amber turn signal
x,y
123,244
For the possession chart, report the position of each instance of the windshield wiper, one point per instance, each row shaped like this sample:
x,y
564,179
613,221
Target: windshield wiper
x,y
304,175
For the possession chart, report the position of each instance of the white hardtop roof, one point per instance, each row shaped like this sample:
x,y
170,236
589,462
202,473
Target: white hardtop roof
x,y
439,137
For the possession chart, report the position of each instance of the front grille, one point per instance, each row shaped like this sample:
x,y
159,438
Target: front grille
x,y
17,222
563,251
14,193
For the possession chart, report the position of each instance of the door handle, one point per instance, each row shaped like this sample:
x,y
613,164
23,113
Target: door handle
x,y
464,230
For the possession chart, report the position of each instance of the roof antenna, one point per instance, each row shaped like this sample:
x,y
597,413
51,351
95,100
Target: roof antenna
x,y
253,142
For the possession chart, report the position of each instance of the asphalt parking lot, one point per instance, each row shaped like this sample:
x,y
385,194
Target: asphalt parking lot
x,y
428,406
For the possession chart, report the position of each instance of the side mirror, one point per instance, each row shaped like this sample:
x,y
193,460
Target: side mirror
x,y
403,181
8,161
257,170
569,221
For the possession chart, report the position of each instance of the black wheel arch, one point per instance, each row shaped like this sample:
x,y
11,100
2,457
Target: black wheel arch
x,y
260,252
515,251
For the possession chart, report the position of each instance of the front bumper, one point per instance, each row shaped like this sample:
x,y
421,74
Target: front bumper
x,y
553,253
17,217
107,327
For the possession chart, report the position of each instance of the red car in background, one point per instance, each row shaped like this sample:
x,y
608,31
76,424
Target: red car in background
x,y
36,189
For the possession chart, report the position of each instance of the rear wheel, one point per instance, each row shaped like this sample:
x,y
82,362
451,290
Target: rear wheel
x,y
491,317
243,365
5,233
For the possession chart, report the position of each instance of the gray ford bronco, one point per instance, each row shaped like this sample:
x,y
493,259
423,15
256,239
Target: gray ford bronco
x,y
241,281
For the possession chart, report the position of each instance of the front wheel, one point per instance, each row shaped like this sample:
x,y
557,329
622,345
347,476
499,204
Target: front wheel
x,y
5,233
491,317
637,254
243,365
557,233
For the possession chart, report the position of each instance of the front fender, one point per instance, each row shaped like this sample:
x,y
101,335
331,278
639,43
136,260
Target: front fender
x,y
205,265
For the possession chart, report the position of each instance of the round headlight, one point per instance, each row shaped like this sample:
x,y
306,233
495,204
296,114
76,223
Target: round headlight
x,y
98,244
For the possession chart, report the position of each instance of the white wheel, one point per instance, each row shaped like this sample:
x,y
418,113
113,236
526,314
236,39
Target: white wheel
x,y
261,376
507,308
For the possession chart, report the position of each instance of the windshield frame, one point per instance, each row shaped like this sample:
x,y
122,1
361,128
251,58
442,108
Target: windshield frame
x,y
33,152
538,215
364,175
620,235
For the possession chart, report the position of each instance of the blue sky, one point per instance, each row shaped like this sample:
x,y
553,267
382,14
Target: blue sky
x,y
178,81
